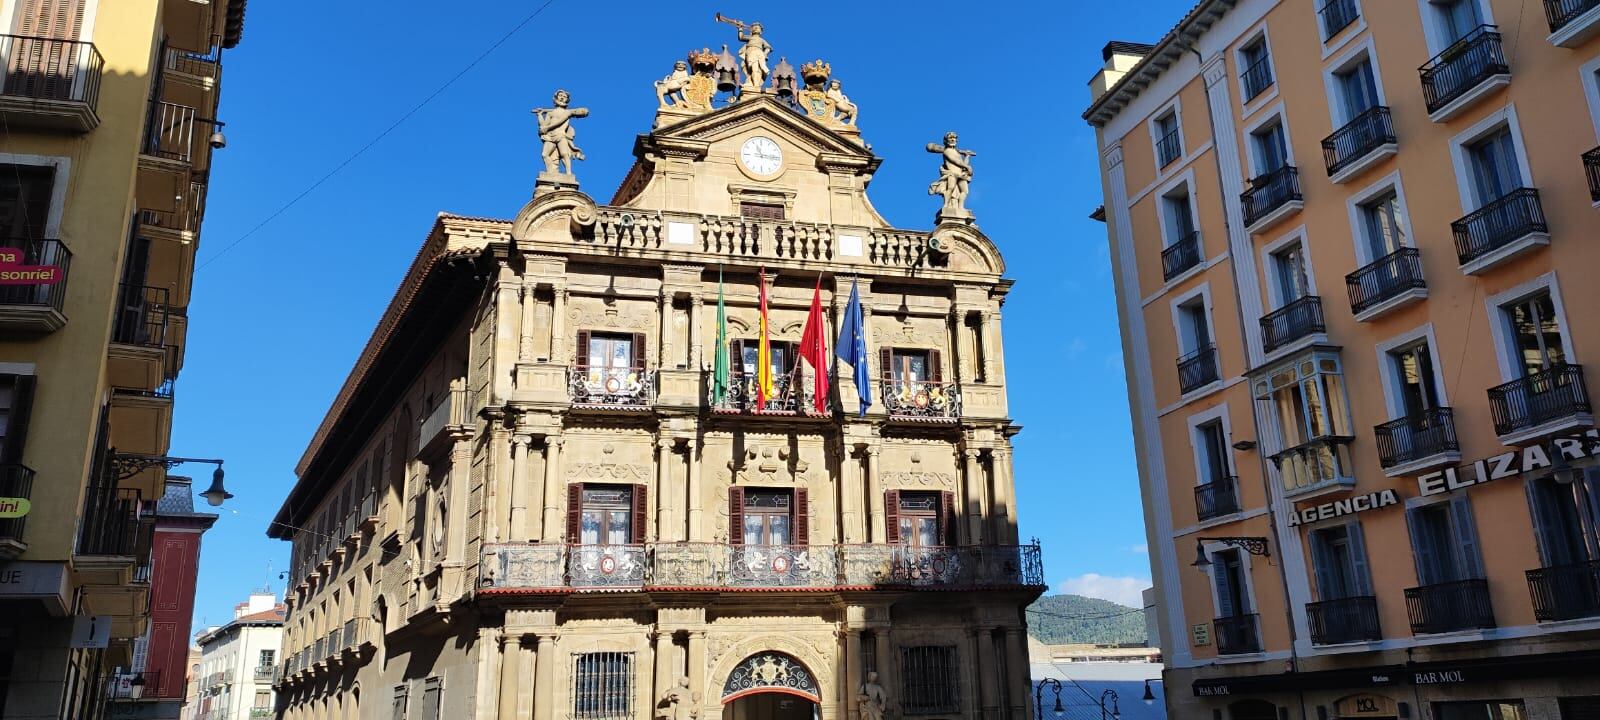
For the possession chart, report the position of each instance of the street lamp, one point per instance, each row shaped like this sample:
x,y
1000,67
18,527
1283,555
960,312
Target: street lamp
x,y
1038,698
1116,712
127,465
1149,697
1252,545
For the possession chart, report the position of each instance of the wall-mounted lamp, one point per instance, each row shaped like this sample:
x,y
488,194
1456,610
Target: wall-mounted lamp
x,y
1245,445
127,465
1252,545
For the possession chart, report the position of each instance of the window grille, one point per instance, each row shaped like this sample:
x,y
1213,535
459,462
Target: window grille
x,y
602,686
761,211
928,680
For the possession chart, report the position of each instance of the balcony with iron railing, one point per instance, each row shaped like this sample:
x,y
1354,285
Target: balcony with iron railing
x,y
1198,369
130,686
1417,442
1183,254
110,523
1464,73
50,83
1258,77
1565,592
1336,15
1272,196
1572,21
262,675
1218,498
142,317
1344,620
1449,607
518,567
1500,230
1315,466
918,400
1238,635
1360,144
1169,148
792,395
614,388
1298,320
170,134
37,302
16,481
1389,282
202,66
1591,169
1549,400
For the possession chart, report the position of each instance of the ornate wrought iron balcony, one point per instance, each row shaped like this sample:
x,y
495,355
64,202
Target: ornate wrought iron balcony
x,y
921,399
1450,606
1299,319
1565,592
1198,369
1181,255
36,307
792,395
1217,498
1337,15
1385,279
1591,168
612,387
1416,437
141,316
1539,398
1270,192
1345,620
1561,13
1359,138
1499,224
1464,65
1238,635
50,82
1315,465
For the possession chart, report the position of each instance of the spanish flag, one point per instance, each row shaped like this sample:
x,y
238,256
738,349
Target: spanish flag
x,y
763,348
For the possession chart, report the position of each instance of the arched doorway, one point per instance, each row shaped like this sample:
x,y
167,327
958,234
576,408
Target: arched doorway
x,y
1252,710
770,686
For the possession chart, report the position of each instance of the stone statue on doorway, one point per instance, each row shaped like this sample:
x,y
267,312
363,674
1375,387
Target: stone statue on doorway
x,y
873,702
679,703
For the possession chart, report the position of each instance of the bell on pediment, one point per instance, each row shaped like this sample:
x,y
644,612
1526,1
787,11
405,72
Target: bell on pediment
x,y
783,79
727,71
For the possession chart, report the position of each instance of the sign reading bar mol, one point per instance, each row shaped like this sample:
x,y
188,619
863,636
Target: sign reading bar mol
x,y
1507,464
13,272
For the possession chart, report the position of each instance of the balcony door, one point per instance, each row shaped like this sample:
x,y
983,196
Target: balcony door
x,y
1233,590
1456,18
1537,333
1195,332
1413,369
1495,170
768,516
1214,453
1384,225
606,514
1272,150
1358,89
1444,542
1289,267
37,67
1340,560
1567,518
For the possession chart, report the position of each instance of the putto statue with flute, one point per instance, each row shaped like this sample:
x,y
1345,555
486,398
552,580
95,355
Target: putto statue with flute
x,y
955,174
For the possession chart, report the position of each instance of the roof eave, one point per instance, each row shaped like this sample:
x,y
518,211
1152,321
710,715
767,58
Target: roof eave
x,y
1178,41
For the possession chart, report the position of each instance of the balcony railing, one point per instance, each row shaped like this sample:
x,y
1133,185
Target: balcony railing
x,y
1269,192
1337,15
1591,168
169,133
1198,369
111,521
1384,279
791,395
921,399
1258,77
695,565
331,647
1169,148
1181,255
1217,498
1314,465
1538,398
188,62
38,252
1359,138
1412,438
1237,635
1450,606
134,686
1498,224
262,675
51,70
1464,65
1345,620
1299,319
16,481
142,316
1561,13
1565,592
616,387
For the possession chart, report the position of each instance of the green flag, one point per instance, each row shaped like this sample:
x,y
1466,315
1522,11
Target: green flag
x,y
719,383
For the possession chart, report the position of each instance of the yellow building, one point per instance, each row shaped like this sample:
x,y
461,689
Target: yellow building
x,y
106,108
532,500
1378,502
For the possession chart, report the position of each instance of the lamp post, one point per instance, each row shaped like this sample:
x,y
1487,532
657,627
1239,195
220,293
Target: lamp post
x,y
1149,697
127,465
1038,698
1116,712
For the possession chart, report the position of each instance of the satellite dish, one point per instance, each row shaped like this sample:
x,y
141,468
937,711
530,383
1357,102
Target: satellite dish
x,y
626,220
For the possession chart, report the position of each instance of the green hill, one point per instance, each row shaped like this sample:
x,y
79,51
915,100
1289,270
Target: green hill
x,y
1062,619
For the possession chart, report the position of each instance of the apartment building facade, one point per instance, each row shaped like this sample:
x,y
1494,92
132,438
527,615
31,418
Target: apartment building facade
x,y
1351,249
531,499
239,661
106,108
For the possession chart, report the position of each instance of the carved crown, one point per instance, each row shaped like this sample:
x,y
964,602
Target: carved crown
x,y
816,71
702,58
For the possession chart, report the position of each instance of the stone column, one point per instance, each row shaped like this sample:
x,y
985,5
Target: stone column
x,y
520,487
993,350
696,515
1004,497
973,697
544,677
697,660
875,496
537,657
664,652
530,305
974,499
552,490
849,496
664,345
696,334
506,322
988,676
660,501
1016,673
558,329
854,673
887,668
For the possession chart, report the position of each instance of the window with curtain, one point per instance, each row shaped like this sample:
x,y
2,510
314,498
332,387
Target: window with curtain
x,y
1536,332
1495,172
1456,18
1413,367
1383,224
1566,518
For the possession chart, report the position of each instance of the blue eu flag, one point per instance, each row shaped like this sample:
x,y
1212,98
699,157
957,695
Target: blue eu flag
x,y
852,347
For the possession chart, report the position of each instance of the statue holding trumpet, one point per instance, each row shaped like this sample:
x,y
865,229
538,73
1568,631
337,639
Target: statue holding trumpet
x,y
753,54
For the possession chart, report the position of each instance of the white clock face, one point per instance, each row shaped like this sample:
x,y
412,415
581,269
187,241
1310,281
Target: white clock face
x,y
760,155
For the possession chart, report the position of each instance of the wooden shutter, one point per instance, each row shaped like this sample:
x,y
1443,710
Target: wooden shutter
x,y
399,707
575,513
641,493
62,19
947,523
1422,551
886,362
432,695
17,417
640,359
1464,529
1322,563
735,515
802,517
1358,559
1219,575
935,368
582,355
891,516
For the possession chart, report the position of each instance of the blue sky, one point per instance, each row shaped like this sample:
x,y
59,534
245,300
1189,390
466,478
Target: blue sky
x,y
278,319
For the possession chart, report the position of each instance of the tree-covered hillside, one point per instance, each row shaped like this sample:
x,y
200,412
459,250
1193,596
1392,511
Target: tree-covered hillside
x,y
1061,619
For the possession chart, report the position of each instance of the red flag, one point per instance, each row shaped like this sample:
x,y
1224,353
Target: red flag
x,y
814,348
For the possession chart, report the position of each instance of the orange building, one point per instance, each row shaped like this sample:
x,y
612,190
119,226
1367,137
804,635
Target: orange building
x,y
1379,502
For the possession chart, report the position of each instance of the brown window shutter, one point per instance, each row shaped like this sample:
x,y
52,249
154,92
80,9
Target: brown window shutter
x,y
640,515
735,515
935,368
640,359
891,516
582,355
17,417
575,513
802,517
736,357
886,362
947,523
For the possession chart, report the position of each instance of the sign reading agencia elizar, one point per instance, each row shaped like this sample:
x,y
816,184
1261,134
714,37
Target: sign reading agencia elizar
x,y
1507,465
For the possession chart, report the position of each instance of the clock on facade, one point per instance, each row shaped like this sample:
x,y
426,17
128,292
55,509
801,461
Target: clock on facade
x,y
761,155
